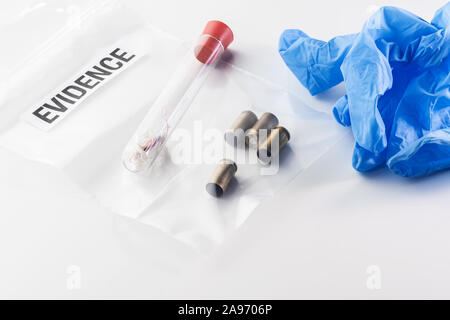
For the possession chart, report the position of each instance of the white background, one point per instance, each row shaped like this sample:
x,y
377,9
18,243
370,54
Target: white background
x,y
315,240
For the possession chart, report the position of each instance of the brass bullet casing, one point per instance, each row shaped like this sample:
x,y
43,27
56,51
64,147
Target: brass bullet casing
x,y
218,184
236,134
272,146
267,122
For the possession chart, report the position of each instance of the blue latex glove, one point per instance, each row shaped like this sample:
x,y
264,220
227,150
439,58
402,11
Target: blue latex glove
x,y
396,72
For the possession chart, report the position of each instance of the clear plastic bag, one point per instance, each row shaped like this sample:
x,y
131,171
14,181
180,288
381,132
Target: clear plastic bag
x,y
88,143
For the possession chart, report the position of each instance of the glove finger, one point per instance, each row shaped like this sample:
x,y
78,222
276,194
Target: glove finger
x,y
364,161
442,17
422,157
315,63
368,76
341,112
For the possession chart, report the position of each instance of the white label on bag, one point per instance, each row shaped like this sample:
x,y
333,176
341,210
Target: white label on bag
x,y
54,108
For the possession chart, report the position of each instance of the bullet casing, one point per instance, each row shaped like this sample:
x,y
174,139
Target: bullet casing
x,y
272,146
236,134
222,176
267,122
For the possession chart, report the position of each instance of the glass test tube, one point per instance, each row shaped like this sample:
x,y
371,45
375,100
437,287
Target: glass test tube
x,y
176,98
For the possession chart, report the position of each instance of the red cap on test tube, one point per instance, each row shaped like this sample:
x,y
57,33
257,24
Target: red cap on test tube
x,y
215,39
